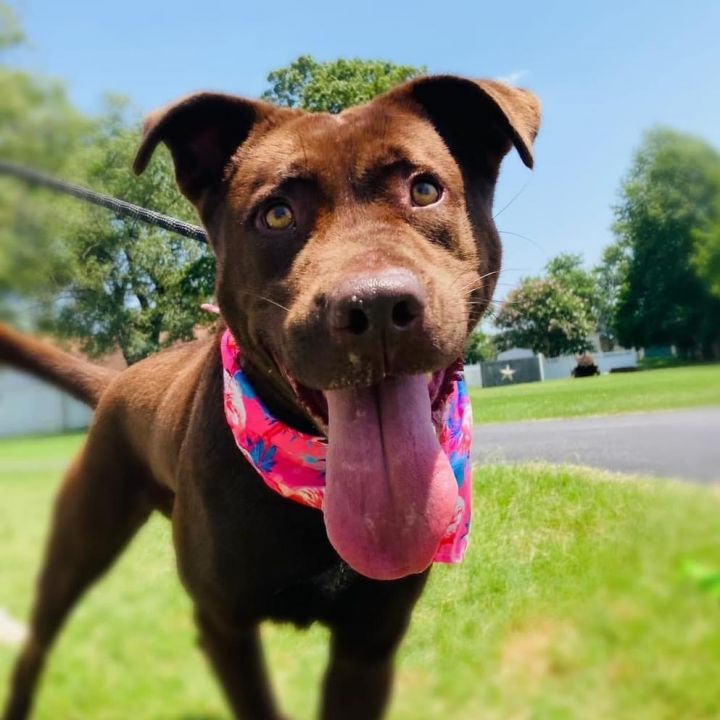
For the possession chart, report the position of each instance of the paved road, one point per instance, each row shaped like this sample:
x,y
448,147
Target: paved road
x,y
681,444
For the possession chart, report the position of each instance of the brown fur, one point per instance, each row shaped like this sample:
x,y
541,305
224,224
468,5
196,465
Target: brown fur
x,y
159,439
82,380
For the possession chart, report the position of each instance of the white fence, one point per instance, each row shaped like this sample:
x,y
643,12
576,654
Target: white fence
x,y
31,407
559,367
473,376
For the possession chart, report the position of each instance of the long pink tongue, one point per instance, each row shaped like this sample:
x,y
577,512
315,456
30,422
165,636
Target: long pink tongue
x,y
390,491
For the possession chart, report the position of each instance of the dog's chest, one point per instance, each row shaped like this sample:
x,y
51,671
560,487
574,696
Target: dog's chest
x,y
317,598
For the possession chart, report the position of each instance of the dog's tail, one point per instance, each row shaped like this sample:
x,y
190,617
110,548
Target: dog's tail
x,y
78,377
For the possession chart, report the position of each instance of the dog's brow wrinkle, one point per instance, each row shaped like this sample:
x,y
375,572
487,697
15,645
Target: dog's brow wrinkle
x,y
256,185
294,169
296,172
301,140
231,168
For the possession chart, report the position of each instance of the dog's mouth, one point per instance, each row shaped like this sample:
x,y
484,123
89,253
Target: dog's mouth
x,y
315,404
390,490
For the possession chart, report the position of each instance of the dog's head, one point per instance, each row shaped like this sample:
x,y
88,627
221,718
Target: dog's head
x,y
355,252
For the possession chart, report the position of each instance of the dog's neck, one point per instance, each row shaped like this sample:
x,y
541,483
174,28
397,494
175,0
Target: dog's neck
x,y
272,387
279,398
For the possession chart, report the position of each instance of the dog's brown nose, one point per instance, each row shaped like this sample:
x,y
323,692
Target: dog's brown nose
x,y
378,306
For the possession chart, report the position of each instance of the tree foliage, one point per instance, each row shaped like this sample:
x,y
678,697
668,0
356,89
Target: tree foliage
x,y
11,31
554,314
669,195
480,347
335,85
129,285
106,282
40,128
568,270
706,251
609,277
545,315
76,270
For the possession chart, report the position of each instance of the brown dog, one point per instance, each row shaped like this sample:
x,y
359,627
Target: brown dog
x,y
353,252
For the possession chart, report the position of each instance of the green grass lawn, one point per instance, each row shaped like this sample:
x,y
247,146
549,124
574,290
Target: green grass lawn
x,y
602,395
575,602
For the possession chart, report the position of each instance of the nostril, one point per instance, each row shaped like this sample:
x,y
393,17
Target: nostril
x,y
403,314
367,309
358,321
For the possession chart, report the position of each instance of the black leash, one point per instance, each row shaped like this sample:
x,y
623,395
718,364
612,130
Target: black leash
x,y
119,207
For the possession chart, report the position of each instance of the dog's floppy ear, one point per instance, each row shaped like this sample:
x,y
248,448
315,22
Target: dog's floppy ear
x,y
479,120
202,131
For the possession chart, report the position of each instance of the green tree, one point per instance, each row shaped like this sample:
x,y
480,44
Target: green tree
x,y
76,270
568,270
706,251
38,127
129,285
108,282
11,31
669,194
335,85
609,277
480,347
546,316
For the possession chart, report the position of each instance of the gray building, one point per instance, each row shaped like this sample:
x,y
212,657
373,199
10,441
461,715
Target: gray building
x,y
31,407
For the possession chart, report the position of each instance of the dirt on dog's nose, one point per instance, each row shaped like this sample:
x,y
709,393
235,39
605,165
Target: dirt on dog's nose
x,y
378,309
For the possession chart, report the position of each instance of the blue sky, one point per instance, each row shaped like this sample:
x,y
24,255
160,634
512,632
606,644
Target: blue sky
x,y
604,71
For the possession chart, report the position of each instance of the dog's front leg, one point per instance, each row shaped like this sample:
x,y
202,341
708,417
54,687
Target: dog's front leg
x,y
359,678
356,687
237,658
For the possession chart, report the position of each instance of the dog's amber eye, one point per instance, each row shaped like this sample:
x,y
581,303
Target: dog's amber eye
x,y
279,217
424,192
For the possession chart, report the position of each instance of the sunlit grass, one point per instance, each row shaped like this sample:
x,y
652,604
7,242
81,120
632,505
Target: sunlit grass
x,y
574,602
601,395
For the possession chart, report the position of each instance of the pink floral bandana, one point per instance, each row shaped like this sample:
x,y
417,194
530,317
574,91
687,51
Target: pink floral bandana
x,y
292,463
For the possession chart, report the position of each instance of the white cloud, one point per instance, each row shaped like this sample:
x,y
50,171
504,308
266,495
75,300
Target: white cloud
x,y
514,77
